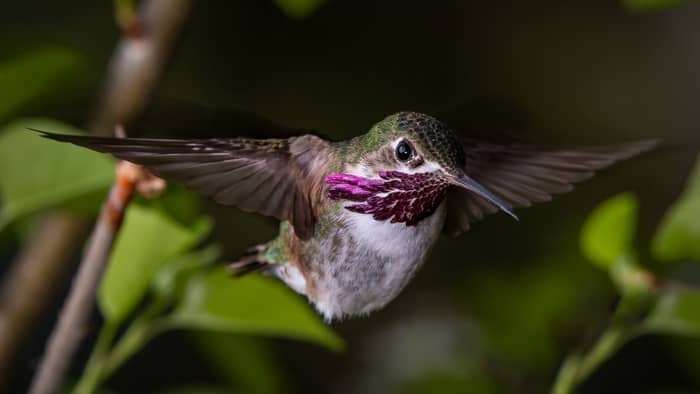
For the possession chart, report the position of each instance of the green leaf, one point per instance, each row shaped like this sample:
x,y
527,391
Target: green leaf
x,y
147,241
299,9
32,75
675,312
649,5
36,173
609,231
171,279
179,203
250,305
245,362
678,236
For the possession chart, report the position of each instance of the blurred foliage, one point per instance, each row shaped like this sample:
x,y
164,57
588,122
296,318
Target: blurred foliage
x,y
157,279
678,235
177,203
34,74
254,305
244,362
609,231
648,304
449,384
36,174
650,5
539,301
299,9
147,242
676,312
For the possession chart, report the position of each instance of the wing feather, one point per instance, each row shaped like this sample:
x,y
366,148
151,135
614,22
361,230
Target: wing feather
x,y
275,177
521,175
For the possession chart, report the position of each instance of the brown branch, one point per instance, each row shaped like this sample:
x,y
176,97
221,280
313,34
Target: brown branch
x,y
70,328
75,314
138,62
25,291
37,273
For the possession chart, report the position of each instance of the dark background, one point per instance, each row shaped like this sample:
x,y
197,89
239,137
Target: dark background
x,y
496,309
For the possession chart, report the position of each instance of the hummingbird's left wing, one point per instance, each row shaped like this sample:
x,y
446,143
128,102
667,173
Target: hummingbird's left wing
x,y
273,177
521,175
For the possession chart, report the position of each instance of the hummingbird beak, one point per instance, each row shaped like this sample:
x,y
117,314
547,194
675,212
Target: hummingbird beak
x,y
468,183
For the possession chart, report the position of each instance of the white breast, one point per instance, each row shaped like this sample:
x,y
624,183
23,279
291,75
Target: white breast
x,y
397,240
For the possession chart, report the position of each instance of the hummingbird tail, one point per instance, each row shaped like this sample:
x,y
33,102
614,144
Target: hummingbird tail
x,y
251,261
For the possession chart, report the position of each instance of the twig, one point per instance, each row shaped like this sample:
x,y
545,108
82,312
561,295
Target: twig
x,y
136,66
75,314
139,60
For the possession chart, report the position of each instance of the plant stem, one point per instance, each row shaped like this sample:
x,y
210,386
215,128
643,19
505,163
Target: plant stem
x,y
608,343
131,342
93,374
141,330
104,361
578,366
566,378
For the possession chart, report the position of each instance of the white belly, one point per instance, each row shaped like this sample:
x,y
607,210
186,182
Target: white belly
x,y
369,272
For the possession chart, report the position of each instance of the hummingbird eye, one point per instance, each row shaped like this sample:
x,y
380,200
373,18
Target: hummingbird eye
x,y
404,151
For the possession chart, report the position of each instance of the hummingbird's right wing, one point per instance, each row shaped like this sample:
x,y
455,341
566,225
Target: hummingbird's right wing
x,y
522,174
273,177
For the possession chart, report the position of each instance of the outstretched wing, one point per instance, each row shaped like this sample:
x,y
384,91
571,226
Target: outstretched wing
x,y
521,175
273,177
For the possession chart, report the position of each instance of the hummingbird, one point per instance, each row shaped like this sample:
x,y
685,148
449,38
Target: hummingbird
x,y
358,217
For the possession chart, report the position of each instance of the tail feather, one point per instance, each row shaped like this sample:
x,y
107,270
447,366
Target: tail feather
x,y
252,260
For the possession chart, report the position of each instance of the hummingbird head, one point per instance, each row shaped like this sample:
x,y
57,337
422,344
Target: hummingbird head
x,y
416,159
416,142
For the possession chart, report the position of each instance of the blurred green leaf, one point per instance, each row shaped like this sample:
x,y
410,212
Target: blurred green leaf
x,y
609,231
675,312
527,328
29,76
245,362
250,305
36,173
678,236
147,241
179,203
649,5
169,281
299,9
